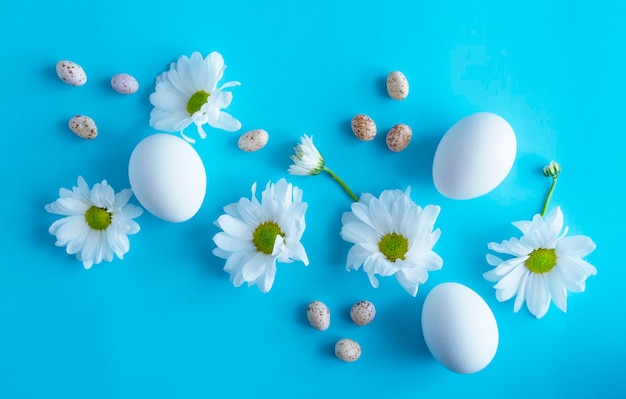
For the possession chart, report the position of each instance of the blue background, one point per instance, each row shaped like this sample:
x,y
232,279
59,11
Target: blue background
x,y
166,321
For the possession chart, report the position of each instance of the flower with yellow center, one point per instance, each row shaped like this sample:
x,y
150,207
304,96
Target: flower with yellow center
x,y
188,93
392,236
544,262
96,223
256,234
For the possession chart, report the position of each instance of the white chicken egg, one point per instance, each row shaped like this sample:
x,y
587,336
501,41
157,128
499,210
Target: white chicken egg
x,y
474,156
167,177
459,328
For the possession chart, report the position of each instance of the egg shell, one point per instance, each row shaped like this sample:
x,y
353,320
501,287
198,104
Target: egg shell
x,y
474,156
397,85
167,177
253,140
124,83
84,127
318,315
362,313
459,328
399,137
71,73
363,127
348,350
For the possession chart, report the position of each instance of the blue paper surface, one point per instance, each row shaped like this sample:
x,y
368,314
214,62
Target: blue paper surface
x,y
166,322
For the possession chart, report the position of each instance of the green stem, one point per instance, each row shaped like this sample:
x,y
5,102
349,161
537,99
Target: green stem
x,y
547,201
342,184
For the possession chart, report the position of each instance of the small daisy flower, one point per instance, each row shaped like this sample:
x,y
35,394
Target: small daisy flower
x,y
544,262
96,223
307,161
255,235
188,93
392,236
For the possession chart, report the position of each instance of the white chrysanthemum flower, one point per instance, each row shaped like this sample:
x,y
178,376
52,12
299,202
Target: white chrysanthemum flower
x,y
257,234
392,235
188,93
545,264
96,222
307,160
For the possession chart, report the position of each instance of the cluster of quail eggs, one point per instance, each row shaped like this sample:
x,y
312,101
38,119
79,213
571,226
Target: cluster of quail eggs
x,y
399,136
362,313
73,74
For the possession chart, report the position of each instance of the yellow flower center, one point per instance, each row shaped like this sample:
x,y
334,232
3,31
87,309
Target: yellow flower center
x,y
196,101
98,218
541,260
264,237
394,246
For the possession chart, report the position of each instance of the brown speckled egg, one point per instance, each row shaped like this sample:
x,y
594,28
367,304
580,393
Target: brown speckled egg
x,y
318,315
253,140
397,85
399,137
348,350
71,73
124,83
363,127
84,127
362,313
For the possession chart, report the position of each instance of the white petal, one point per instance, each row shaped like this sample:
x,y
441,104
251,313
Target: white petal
x,y
584,268
279,248
554,220
236,260
230,84
537,295
373,280
358,232
75,243
230,244
90,247
539,234
504,268
513,247
297,252
226,122
251,211
381,219
558,292
68,206
429,216
215,63
570,275
521,293
172,101
185,75
522,225
509,284
493,260
220,99
410,286
117,240
199,73
235,228
361,212
266,281
169,122
409,223
129,211
254,267
430,261
356,257
575,246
